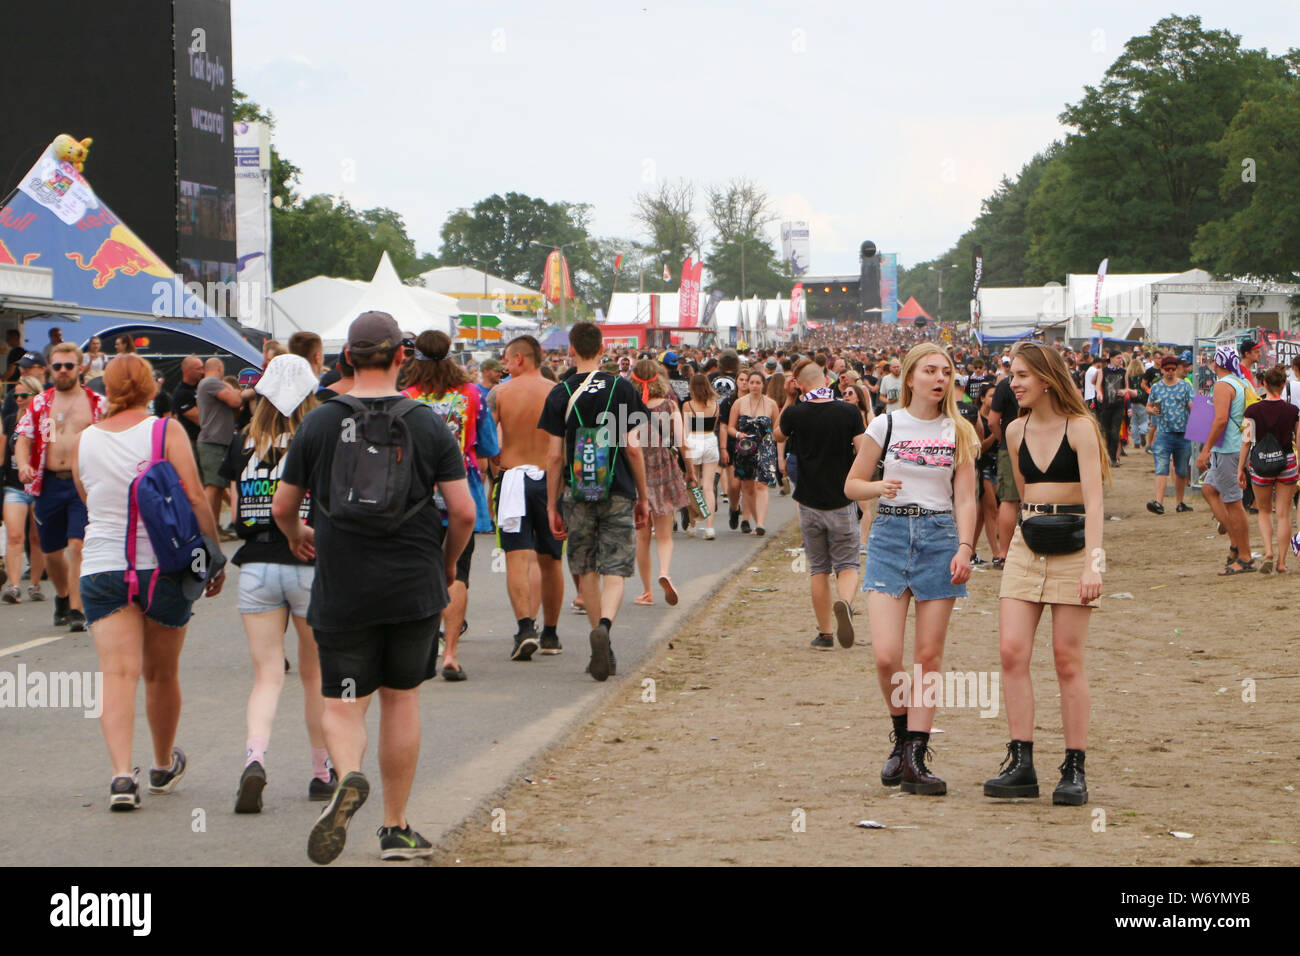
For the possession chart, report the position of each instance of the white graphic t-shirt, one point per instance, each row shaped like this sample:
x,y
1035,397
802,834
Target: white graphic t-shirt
x,y
920,455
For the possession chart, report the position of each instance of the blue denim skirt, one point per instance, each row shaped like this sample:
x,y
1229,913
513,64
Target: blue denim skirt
x,y
912,553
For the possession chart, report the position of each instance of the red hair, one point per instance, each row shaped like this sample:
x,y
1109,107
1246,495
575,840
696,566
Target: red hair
x,y
128,382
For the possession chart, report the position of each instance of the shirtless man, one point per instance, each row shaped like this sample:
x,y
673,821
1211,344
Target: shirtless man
x,y
47,440
526,536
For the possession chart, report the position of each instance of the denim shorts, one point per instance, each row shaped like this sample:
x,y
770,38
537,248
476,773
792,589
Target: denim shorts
x,y
16,496
1172,447
912,553
270,587
104,593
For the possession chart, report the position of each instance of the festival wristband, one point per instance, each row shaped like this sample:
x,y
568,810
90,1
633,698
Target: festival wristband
x,y
964,544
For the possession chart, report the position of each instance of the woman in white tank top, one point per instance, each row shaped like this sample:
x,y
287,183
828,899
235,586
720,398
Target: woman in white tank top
x,y
108,457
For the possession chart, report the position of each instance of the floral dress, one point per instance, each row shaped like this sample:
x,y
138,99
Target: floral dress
x,y
761,466
665,483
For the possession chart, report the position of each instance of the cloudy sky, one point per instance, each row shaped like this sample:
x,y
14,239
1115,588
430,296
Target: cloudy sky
x,y
882,121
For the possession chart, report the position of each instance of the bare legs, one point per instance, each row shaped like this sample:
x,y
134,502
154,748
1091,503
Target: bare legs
x,y
1018,622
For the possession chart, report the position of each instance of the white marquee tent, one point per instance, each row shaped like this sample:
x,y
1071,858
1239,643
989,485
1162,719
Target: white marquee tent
x,y
327,306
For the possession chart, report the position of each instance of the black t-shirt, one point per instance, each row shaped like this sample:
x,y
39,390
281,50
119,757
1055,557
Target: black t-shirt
x,y
162,403
1112,384
973,383
626,411
183,399
12,372
1277,418
1005,404
824,432
364,581
10,467
255,481
724,383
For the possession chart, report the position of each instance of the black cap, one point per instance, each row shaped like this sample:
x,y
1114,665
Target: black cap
x,y
373,332
194,584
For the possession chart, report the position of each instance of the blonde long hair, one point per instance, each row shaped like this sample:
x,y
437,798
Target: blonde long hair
x,y
268,428
1047,364
967,441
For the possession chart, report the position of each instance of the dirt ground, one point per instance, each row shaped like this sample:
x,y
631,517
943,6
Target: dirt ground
x,y
751,732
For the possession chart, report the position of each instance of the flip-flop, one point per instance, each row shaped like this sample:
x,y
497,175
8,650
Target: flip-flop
x,y
644,603
670,592
456,673
1266,567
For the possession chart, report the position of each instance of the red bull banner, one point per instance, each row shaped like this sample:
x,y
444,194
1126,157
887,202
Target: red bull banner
x,y
55,220
796,304
555,278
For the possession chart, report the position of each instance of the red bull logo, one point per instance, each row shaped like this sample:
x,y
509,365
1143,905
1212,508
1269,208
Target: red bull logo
x,y
122,252
7,258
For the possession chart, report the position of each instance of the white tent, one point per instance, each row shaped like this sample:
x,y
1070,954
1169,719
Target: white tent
x,y
327,305
634,308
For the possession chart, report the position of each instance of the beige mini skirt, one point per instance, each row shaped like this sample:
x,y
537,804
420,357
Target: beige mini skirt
x,y
1043,578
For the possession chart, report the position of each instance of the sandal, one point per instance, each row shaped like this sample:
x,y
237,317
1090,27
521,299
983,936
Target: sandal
x,y
670,592
645,600
455,673
999,564
1266,567
1243,567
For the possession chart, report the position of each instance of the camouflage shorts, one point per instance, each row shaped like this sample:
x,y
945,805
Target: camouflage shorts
x,y
601,535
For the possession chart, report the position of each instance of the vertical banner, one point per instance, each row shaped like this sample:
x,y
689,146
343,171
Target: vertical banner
x,y
889,287
684,295
555,277
869,283
1096,298
796,305
977,270
252,222
697,275
710,307
794,246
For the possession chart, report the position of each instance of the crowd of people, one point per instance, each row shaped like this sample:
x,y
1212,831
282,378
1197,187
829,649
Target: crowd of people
x,y
356,493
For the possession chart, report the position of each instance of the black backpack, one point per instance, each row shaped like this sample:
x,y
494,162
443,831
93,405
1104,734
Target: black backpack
x,y
370,483
1267,458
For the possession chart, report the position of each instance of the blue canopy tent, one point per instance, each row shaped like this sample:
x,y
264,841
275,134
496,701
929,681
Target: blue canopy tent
x,y
557,338
105,279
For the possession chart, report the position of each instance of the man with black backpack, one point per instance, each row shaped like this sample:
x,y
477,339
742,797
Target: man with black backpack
x,y
371,460
595,483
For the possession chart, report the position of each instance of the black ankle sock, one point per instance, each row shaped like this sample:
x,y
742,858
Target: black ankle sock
x,y
900,725
549,631
607,624
61,603
525,624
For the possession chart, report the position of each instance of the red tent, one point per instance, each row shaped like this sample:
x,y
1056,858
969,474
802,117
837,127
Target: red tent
x,y
912,310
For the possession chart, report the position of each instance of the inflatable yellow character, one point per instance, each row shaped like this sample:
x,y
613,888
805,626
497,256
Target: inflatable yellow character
x,y
74,152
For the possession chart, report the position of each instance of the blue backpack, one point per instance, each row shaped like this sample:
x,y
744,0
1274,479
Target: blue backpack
x,y
157,497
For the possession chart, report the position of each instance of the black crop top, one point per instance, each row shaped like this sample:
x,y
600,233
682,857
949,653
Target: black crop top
x,y
699,422
1063,469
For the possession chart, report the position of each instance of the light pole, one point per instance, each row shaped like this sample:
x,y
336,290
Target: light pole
x,y
938,313
564,299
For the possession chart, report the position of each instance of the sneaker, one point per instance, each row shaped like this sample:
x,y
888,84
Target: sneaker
x,y
330,831
34,592
551,644
402,844
613,663
601,659
318,789
744,527
734,519
251,782
124,792
1183,507
760,531
708,534
12,595
76,620
164,781
843,623
822,642
525,644
1155,507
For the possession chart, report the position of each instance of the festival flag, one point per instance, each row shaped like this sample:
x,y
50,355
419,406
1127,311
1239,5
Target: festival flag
x,y
555,278
1096,298
796,304
977,269
684,295
618,262
667,275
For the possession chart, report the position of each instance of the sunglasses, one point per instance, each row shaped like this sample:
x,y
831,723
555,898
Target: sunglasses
x,y
60,366
23,394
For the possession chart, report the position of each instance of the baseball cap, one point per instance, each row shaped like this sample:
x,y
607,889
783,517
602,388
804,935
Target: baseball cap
x,y
373,332
670,357
1246,345
1186,358
31,360
1168,360
194,584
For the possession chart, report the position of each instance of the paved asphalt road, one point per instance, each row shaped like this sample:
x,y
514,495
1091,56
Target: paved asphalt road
x,y
477,734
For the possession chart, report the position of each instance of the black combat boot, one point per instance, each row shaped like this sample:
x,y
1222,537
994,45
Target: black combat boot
x,y
1072,791
917,777
1017,777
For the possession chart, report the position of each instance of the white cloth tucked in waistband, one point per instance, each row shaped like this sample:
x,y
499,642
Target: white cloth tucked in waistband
x,y
511,506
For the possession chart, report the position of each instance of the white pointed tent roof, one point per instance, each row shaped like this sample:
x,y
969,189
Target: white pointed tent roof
x,y
327,306
631,308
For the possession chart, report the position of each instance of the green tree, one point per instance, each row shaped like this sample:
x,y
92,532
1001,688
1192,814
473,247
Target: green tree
x,y
1138,177
667,216
746,266
1260,157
